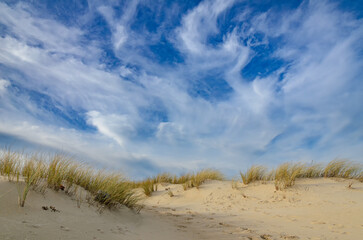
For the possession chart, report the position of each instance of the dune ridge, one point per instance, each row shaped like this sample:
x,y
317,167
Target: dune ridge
x,y
59,197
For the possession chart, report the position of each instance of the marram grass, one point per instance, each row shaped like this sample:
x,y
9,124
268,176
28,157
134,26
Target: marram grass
x,y
286,174
255,173
58,171
188,180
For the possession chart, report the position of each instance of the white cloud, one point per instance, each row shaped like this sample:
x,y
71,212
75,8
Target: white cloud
x,y
319,93
3,85
113,126
119,25
200,23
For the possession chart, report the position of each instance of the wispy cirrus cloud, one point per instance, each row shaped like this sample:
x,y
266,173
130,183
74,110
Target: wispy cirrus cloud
x,y
153,86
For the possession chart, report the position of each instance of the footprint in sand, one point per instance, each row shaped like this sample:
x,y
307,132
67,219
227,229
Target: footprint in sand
x,y
182,228
293,219
119,230
242,230
64,228
337,226
35,226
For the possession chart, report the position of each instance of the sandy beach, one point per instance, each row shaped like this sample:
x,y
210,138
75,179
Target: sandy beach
x,y
312,209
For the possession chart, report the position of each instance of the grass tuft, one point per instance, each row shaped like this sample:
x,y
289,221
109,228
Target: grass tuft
x,y
9,163
148,186
255,173
58,171
286,174
343,169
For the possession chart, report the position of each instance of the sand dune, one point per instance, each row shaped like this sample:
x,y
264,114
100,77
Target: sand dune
x,y
312,209
71,222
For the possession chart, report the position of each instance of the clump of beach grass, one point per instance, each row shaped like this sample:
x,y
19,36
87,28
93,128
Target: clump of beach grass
x,y
188,180
58,170
197,179
311,171
9,163
148,187
164,178
184,178
286,174
254,173
32,173
343,169
206,174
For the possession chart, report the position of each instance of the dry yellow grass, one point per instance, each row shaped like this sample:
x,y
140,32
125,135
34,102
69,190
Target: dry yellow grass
x,y
148,186
286,174
343,169
60,171
10,163
207,174
254,173
187,180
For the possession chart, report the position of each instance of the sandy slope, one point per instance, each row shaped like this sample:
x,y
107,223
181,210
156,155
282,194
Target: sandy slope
x,y
313,209
31,222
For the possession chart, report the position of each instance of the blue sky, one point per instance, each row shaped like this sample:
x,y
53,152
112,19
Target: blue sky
x,y
151,86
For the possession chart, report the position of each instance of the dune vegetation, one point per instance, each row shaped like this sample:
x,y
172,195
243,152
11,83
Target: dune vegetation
x,y
286,174
59,172
188,180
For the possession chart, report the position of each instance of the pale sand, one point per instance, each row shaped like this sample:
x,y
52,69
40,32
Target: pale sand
x,y
34,223
312,209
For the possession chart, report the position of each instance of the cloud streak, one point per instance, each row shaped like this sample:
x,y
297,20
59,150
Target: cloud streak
x,y
219,84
